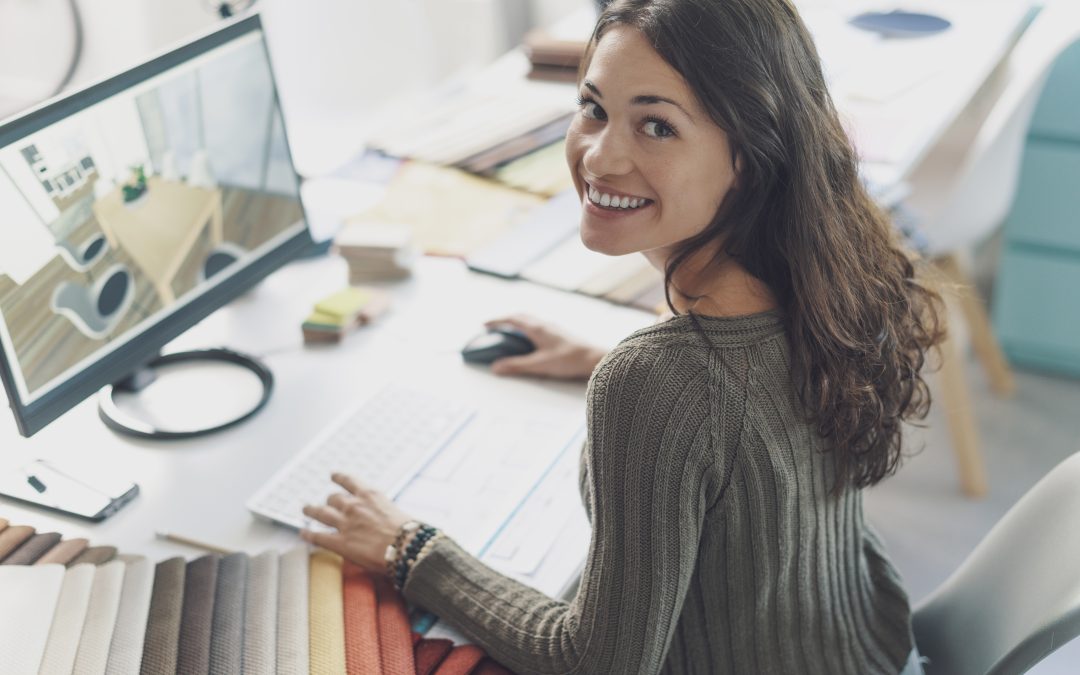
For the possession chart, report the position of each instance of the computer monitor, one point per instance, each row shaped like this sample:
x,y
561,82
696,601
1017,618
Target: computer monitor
x,y
132,209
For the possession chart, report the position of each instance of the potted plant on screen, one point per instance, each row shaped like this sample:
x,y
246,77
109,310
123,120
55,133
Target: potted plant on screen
x,y
135,187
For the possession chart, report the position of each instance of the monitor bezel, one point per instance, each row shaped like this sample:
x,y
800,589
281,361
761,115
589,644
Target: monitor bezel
x,y
137,350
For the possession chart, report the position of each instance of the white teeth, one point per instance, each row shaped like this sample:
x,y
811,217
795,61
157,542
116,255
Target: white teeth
x,y
609,201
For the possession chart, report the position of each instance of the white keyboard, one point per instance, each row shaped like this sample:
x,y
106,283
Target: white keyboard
x,y
384,442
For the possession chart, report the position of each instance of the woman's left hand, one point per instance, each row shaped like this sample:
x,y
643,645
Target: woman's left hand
x,y
366,522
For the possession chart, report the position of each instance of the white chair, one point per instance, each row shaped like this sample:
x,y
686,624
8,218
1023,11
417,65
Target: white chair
x,y
96,310
1017,596
962,192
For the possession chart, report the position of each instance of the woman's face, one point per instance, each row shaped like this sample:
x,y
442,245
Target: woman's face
x,y
649,164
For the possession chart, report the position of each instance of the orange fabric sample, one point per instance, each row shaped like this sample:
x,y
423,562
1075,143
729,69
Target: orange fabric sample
x,y
461,660
361,622
395,634
491,667
429,653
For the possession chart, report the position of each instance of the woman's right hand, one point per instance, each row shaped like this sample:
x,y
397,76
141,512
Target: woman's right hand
x,y
556,356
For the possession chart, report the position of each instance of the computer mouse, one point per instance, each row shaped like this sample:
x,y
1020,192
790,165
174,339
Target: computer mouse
x,y
495,344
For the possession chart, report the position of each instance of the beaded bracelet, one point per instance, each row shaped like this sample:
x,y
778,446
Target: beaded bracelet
x,y
405,553
392,550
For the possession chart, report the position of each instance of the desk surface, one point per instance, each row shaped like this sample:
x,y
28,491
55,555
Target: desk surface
x,y
198,487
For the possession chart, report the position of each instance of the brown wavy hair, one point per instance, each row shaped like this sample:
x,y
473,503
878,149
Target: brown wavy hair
x,y
859,318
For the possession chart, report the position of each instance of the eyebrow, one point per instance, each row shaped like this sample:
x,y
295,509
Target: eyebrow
x,y
643,99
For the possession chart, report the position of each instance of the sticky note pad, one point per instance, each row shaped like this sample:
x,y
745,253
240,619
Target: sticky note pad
x,y
319,319
345,304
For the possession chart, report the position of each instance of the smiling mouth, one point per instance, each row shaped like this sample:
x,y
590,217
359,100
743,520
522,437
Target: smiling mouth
x,y
614,202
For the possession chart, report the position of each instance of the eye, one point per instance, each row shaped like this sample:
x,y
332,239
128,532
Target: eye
x,y
590,109
658,128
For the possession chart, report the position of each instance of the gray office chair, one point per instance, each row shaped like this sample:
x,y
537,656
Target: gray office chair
x,y
1017,596
221,256
80,258
96,310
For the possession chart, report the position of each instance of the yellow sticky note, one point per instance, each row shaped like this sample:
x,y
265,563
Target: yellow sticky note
x,y
344,304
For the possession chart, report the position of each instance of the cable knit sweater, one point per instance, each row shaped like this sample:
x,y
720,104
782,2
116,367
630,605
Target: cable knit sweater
x,y
718,545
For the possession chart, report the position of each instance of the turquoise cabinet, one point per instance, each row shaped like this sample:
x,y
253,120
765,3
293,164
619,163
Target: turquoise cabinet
x,y
1037,292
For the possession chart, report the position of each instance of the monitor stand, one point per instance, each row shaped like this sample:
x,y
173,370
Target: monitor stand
x,y
124,422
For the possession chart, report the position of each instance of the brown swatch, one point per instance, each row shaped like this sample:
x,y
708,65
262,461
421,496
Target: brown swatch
x,y
64,552
33,548
13,537
95,555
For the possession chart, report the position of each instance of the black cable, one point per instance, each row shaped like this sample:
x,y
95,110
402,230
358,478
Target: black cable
x,y
76,55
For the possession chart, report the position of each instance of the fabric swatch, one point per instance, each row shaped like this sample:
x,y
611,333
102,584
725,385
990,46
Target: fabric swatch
x,y
67,623
30,595
92,656
162,639
95,555
126,650
327,624
292,636
260,615
64,552
395,634
227,635
12,537
32,549
429,653
361,625
197,616
461,660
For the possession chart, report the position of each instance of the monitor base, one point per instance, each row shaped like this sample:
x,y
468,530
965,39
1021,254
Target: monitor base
x,y
125,423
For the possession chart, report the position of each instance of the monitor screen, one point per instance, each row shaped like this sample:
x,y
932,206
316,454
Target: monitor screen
x,y
132,209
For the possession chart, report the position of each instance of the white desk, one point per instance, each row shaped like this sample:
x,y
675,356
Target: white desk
x,y
198,487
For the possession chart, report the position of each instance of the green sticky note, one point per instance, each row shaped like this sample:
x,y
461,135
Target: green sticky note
x,y
319,319
345,304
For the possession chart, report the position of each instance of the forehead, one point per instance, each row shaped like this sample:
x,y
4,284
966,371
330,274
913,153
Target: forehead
x,y
626,62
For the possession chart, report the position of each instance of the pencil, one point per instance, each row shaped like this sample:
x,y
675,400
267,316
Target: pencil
x,y
187,541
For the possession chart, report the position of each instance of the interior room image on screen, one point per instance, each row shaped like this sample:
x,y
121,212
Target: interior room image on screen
x,y
125,209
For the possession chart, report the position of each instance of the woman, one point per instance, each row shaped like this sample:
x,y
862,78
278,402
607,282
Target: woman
x,y
727,446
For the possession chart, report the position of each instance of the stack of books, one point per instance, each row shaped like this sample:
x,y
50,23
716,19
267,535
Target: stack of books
x,y
375,251
335,315
553,58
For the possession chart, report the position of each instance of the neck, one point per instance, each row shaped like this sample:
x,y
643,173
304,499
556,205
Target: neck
x,y
715,286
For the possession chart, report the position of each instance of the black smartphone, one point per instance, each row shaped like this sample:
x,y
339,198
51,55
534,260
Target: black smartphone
x,y
74,493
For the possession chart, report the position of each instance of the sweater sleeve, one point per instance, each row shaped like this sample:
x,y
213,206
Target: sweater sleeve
x,y
648,455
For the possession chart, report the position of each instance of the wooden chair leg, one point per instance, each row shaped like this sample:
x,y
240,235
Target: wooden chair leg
x,y
961,420
987,348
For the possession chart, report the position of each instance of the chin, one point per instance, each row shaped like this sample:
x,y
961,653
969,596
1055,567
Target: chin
x,y
595,241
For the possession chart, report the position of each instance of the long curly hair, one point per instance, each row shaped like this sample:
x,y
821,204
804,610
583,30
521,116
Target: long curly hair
x,y
859,318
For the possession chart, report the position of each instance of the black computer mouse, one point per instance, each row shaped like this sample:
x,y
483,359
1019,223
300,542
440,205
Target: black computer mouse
x,y
495,344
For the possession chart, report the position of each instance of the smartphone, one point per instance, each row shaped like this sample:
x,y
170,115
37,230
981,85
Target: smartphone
x,y
71,492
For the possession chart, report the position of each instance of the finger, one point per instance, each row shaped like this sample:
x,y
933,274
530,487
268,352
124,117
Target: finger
x,y
351,484
525,324
327,515
331,541
529,364
340,501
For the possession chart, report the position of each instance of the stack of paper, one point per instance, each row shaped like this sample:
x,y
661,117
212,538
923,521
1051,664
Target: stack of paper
x,y
375,251
450,212
336,314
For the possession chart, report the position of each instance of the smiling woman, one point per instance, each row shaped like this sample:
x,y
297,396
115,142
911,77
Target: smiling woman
x,y
727,446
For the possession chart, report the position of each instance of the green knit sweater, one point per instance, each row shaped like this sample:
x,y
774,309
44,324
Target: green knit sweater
x,y
718,545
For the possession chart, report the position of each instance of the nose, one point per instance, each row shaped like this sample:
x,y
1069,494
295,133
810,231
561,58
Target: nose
x,y
607,153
